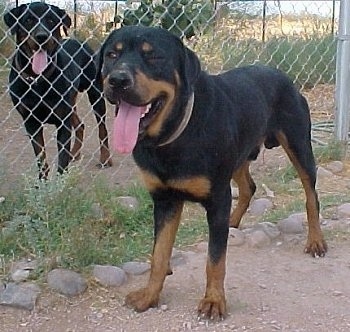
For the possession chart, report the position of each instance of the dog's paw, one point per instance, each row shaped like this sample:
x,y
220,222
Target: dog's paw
x,y
105,164
214,309
76,157
141,300
316,248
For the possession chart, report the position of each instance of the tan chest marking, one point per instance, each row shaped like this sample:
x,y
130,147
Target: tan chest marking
x,y
197,186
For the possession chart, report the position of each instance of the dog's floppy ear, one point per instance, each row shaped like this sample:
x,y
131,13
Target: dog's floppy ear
x,y
66,20
98,58
191,68
12,17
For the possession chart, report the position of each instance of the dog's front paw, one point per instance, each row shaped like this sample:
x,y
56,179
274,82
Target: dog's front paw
x,y
105,164
141,300
316,248
212,308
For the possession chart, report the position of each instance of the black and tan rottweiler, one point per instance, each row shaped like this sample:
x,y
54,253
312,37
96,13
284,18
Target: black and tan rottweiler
x,y
46,75
191,133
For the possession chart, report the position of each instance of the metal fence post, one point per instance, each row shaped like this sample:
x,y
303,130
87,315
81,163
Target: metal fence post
x,y
342,113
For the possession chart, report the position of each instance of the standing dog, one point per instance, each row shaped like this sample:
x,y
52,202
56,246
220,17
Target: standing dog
x,y
46,76
191,133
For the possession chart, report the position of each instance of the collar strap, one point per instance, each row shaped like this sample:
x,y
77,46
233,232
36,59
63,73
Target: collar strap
x,y
184,122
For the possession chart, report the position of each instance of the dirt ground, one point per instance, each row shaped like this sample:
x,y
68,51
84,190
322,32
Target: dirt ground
x,y
275,288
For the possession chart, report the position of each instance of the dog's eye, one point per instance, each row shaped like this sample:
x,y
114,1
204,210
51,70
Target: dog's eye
x,y
112,55
29,20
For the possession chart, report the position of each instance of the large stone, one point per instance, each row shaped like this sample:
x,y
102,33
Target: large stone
x,y
128,202
294,224
22,296
335,166
324,173
270,229
21,270
257,239
108,275
235,237
66,282
260,206
136,268
344,210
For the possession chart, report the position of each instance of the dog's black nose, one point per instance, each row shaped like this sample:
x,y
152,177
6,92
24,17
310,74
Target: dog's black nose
x,y
41,37
121,79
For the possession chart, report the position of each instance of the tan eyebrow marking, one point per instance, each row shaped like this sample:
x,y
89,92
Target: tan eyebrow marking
x,y
146,47
119,46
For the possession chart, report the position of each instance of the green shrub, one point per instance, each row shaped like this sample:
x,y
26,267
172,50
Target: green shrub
x,y
308,62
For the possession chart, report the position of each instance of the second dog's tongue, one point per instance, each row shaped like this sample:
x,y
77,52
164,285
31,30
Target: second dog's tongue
x,y
39,62
126,127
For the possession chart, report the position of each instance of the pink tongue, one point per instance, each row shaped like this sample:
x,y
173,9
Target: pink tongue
x,y
39,62
126,127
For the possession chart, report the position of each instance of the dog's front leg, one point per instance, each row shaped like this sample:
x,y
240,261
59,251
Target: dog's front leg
x,y
35,132
167,214
213,305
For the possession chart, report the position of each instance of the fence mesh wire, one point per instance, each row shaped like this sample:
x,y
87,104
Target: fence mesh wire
x,y
298,37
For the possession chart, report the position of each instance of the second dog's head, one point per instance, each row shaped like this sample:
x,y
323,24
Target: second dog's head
x,y
37,27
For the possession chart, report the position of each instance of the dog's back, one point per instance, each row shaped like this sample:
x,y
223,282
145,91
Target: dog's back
x,y
78,57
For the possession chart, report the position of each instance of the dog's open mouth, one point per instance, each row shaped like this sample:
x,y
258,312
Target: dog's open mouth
x,y
131,121
39,61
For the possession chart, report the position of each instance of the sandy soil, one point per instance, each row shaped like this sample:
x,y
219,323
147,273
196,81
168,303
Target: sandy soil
x,y
276,288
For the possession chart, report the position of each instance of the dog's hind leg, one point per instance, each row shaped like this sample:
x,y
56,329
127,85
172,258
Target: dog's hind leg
x,y
297,145
78,127
97,101
246,190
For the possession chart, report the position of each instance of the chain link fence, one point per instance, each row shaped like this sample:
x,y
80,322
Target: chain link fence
x,y
298,37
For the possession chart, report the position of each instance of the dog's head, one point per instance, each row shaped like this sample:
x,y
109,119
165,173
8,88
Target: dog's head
x,y
145,71
37,27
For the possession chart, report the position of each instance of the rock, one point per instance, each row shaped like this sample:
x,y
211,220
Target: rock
x,y
257,239
293,224
97,211
20,275
235,237
163,307
268,191
128,202
202,246
177,257
20,270
260,206
136,268
22,296
323,173
335,166
344,210
338,293
234,192
66,282
108,275
270,229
